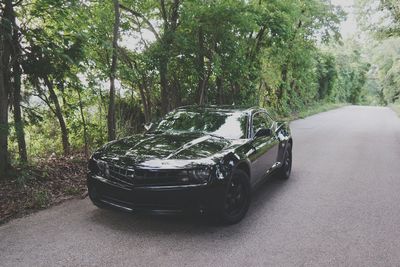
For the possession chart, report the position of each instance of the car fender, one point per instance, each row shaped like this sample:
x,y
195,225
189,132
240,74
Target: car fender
x,y
229,163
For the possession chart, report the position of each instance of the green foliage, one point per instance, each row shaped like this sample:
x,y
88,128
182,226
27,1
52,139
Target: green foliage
x,y
380,17
327,74
352,69
396,107
381,20
387,61
23,177
72,191
41,199
316,108
264,53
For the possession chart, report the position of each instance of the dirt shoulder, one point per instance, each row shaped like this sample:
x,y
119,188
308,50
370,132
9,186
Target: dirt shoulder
x,y
50,182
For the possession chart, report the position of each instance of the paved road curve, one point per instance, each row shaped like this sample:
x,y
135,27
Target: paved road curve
x,y
340,207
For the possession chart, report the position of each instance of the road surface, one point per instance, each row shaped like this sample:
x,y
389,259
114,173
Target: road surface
x,y
341,207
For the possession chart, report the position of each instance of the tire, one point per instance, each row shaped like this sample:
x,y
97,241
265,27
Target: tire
x,y
286,168
236,200
93,196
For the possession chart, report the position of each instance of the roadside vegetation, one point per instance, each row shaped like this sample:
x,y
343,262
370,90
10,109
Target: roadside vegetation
x,y
396,107
47,182
76,74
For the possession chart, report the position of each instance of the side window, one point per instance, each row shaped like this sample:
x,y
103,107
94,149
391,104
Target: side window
x,y
261,120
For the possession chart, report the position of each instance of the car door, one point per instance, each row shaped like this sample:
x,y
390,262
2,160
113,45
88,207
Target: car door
x,y
264,151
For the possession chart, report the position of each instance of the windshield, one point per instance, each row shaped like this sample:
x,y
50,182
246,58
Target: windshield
x,y
230,125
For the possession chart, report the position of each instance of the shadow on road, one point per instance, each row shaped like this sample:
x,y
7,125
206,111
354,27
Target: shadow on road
x,y
185,223
265,192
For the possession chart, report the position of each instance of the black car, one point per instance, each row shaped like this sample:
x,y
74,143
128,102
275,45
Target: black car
x,y
196,158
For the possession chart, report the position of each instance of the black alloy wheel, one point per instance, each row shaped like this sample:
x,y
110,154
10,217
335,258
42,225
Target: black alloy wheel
x,y
94,197
237,198
286,169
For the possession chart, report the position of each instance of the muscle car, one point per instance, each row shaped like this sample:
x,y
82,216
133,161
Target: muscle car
x,y
206,159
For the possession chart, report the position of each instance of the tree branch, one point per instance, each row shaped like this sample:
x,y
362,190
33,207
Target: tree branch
x,y
137,14
164,12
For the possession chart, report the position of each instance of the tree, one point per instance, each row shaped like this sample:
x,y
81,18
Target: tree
x,y
386,60
327,74
352,70
381,22
111,106
45,68
16,92
53,52
5,64
379,17
163,54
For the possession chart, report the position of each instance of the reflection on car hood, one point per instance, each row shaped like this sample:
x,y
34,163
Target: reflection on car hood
x,y
166,148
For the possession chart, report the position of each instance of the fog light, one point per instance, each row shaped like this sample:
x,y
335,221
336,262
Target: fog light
x,y
200,175
185,179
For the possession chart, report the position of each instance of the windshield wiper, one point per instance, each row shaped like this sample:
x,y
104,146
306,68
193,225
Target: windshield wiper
x,y
213,135
156,132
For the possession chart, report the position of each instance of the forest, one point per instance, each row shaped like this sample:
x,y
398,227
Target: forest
x,y
75,74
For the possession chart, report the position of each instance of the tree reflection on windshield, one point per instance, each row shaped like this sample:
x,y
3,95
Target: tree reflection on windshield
x,y
231,125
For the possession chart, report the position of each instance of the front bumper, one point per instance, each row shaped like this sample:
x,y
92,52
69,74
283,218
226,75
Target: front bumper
x,y
154,199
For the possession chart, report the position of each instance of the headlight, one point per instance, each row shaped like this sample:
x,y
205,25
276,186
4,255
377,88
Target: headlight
x,y
200,175
103,166
98,166
92,166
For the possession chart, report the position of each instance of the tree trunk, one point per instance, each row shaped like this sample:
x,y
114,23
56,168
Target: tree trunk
x,y
148,97
176,93
144,100
111,123
235,87
282,86
60,117
200,64
5,48
18,121
85,136
203,91
170,24
3,121
220,90
164,84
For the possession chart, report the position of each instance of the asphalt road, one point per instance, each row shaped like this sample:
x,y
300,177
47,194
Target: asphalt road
x,y
341,207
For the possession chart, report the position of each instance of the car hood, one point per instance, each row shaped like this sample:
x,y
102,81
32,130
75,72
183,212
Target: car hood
x,y
166,149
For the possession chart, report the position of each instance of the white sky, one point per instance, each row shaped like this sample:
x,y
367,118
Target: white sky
x,y
349,26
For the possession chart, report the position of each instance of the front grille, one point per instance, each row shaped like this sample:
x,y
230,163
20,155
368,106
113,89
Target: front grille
x,y
121,175
161,177
141,177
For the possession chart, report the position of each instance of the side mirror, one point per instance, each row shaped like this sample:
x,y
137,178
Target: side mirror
x,y
263,132
148,126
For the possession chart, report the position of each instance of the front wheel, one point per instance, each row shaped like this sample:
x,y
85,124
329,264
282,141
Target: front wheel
x,y
94,196
237,197
286,168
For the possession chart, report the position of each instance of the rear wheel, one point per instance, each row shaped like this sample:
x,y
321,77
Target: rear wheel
x,y
237,197
286,168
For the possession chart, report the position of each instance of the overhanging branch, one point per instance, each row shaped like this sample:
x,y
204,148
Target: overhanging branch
x,y
137,14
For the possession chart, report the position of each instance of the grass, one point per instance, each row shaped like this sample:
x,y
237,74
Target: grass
x,y
72,191
41,199
395,107
312,110
318,109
